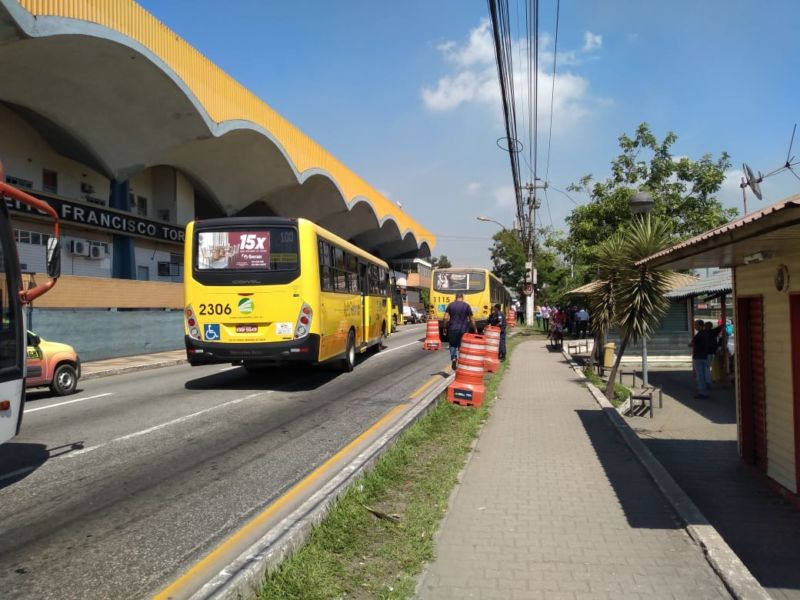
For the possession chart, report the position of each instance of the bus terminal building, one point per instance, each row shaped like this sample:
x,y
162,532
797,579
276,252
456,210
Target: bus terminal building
x,y
130,133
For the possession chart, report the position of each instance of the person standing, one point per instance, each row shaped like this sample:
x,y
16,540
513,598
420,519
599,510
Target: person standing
x,y
497,319
546,318
581,323
700,353
458,320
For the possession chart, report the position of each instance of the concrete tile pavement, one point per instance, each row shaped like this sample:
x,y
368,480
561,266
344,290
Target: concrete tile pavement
x,y
552,504
695,440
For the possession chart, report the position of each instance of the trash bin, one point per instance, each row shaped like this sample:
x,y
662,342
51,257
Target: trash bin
x,y
608,355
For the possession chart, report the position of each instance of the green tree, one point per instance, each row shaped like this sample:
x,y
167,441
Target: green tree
x,y
683,190
441,263
630,297
508,258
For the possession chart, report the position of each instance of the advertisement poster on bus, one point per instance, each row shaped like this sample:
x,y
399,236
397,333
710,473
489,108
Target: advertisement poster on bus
x,y
233,250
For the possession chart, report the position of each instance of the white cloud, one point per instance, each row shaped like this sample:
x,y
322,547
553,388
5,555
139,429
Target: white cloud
x,y
473,79
473,187
592,41
504,198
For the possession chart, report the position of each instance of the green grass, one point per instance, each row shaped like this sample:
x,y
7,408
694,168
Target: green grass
x,y
353,553
621,393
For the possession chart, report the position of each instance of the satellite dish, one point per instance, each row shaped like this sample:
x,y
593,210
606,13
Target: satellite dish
x,y
753,181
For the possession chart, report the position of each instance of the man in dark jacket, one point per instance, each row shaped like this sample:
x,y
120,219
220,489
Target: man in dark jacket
x,y
703,343
457,321
497,319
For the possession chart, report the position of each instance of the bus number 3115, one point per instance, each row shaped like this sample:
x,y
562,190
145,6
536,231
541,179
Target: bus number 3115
x,y
215,309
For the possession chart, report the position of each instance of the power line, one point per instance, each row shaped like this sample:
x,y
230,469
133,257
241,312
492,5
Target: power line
x,y
553,89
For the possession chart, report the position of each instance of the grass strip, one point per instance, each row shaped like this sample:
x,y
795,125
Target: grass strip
x,y
621,392
379,534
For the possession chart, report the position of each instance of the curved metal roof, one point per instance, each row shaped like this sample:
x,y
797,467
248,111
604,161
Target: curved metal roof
x,y
108,65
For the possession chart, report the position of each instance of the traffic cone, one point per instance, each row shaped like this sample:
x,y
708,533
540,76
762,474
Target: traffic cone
x,y
492,361
511,318
432,341
467,389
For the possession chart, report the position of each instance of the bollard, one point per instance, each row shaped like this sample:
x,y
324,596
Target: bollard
x,y
467,389
511,318
432,341
492,360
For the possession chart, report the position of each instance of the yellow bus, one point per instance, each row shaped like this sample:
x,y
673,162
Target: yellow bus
x,y
481,289
265,290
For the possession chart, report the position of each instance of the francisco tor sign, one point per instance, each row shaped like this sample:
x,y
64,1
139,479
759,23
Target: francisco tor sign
x,y
98,217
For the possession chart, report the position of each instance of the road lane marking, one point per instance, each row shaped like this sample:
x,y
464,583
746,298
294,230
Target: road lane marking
x,y
176,588
167,424
230,368
425,386
384,352
30,410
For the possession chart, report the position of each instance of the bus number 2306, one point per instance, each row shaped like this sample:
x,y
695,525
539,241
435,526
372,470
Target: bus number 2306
x,y
215,309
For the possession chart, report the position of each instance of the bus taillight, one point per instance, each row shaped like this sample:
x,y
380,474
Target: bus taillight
x,y
191,323
303,321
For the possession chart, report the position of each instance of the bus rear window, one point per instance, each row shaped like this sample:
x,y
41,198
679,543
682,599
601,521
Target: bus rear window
x,y
266,249
464,281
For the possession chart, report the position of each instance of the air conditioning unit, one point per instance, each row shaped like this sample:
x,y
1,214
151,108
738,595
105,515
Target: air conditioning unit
x,y
97,251
79,247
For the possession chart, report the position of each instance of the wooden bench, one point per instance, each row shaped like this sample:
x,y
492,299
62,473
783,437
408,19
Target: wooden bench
x,y
631,372
644,397
576,345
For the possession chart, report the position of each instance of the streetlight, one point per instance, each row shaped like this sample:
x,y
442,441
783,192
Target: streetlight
x,y
488,220
641,203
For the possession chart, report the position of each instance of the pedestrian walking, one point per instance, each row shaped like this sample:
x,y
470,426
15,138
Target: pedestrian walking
x,y
497,319
701,347
546,318
458,320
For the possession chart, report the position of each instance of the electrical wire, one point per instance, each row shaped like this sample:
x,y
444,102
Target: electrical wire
x,y
553,89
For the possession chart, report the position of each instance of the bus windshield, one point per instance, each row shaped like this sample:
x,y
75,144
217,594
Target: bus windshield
x,y
451,282
262,249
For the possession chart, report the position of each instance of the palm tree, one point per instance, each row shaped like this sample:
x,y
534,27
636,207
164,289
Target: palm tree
x,y
631,297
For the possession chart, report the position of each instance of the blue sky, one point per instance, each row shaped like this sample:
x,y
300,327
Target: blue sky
x,y
405,93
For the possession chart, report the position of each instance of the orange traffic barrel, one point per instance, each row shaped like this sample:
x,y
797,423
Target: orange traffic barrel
x,y
432,341
467,388
511,318
492,361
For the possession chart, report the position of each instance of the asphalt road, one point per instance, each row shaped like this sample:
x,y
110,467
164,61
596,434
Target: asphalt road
x,y
115,491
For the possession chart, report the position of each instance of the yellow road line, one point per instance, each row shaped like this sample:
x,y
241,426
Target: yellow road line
x,y
425,386
176,587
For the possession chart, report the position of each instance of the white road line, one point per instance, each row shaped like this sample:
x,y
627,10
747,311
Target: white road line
x,y
229,368
30,410
384,352
18,472
167,424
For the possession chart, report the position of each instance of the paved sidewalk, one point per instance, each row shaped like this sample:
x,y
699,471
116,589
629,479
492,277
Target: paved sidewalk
x,y
553,504
129,364
695,440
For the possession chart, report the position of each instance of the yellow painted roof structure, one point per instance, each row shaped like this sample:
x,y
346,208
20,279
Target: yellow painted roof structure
x,y
223,97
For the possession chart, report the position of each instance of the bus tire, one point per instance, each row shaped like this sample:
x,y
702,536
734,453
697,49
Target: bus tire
x,y
349,360
394,322
65,380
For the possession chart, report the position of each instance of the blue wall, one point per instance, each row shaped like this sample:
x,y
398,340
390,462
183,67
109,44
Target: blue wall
x,y
98,334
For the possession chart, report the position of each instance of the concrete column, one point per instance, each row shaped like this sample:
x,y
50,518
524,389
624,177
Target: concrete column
x,y
123,265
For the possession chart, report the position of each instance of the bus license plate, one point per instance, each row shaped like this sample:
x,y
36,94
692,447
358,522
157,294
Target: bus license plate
x,y
283,328
246,329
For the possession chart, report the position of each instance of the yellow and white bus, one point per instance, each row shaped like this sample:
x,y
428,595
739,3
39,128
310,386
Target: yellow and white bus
x,y
264,290
481,289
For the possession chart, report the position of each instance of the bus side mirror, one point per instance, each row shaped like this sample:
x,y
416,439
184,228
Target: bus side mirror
x,y
54,257
33,339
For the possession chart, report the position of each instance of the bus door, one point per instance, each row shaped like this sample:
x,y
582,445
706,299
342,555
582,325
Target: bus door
x,y
12,333
363,280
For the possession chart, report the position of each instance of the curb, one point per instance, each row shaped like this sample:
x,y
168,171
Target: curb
x,y
133,368
244,575
736,577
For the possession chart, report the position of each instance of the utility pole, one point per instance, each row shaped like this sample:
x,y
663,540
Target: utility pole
x,y
530,242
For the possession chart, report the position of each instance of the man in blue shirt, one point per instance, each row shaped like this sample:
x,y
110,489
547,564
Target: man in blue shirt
x,y
457,321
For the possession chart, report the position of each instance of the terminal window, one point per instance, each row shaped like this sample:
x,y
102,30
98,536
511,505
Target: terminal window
x,y
49,181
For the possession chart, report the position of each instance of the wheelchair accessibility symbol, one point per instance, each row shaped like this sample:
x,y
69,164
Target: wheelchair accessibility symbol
x,y
211,331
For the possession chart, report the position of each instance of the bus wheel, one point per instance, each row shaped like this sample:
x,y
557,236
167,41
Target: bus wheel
x,y
394,322
65,380
349,360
